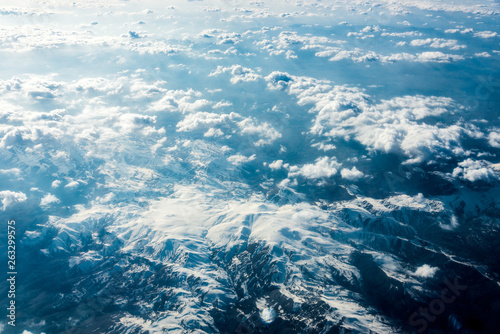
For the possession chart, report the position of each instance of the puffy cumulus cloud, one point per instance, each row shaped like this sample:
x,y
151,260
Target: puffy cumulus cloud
x,y
482,55
419,142
213,133
139,89
11,198
352,174
324,147
418,107
438,43
486,8
25,38
278,80
209,33
347,54
358,56
437,57
217,54
134,122
239,159
88,141
154,47
238,73
264,131
402,34
328,51
233,122
370,29
424,57
184,101
229,38
222,104
26,130
277,164
49,199
494,139
323,167
475,170
286,41
398,125
100,85
425,271
202,120
16,172
485,34
72,184
104,124
36,88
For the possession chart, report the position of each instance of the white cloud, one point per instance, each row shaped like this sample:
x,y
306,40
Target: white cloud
x,y
139,89
475,170
183,101
402,34
351,174
452,225
398,125
286,40
275,165
344,54
425,271
11,198
130,122
494,139
264,131
213,133
222,104
451,44
49,199
204,120
324,147
101,85
485,34
322,168
358,56
239,159
278,80
11,171
437,57
229,38
238,73
72,184
482,54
